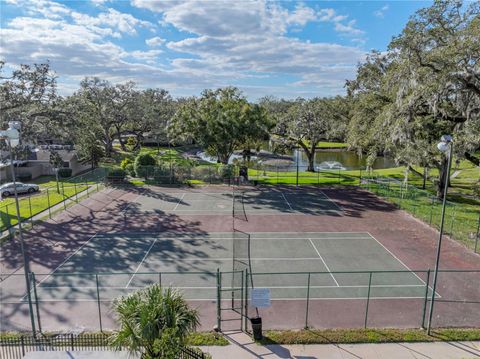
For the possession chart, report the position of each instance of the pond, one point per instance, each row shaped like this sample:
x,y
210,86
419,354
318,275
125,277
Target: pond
x,y
340,159
324,160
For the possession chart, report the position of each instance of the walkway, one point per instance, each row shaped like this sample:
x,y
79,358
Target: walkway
x,y
243,347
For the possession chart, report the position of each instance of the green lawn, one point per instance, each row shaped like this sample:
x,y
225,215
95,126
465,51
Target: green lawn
x,y
332,145
47,196
345,336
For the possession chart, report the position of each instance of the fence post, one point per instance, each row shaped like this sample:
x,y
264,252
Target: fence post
x,y
308,300
453,218
431,209
477,235
318,177
30,206
368,298
86,184
425,300
22,340
64,198
72,343
246,300
242,314
37,306
98,302
76,193
48,203
219,298
160,278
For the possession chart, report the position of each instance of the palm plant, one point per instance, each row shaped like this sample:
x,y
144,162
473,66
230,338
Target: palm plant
x,y
154,322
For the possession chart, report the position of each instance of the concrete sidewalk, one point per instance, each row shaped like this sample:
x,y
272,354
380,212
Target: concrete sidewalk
x,y
243,347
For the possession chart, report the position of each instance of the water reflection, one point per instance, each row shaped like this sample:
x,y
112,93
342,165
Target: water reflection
x,y
324,160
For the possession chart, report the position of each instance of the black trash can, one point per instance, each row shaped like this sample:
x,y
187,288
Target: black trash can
x,y
256,328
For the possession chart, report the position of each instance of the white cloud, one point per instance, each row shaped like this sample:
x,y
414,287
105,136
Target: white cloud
x,y
381,12
330,15
112,19
224,44
155,41
348,28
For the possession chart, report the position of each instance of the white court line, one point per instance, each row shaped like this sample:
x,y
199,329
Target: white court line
x,y
285,198
394,256
142,191
119,235
324,263
331,200
180,200
271,287
140,264
228,300
65,261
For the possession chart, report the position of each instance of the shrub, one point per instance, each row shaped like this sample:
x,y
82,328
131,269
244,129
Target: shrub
x,y
64,172
131,144
24,177
125,162
226,171
116,175
154,322
144,164
130,169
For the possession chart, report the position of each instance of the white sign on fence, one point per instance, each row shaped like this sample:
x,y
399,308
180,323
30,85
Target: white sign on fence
x,y
260,297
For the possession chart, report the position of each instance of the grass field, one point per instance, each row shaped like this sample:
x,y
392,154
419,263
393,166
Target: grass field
x,y
47,197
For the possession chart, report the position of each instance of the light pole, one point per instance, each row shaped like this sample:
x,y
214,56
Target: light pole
x,y
12,138
445,146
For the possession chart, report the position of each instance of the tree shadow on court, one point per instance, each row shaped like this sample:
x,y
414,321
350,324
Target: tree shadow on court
x,y
354,201
289,200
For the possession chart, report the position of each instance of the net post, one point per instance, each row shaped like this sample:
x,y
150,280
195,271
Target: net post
x,y
308,300
219,298
37,307
368,299
425,300
98,303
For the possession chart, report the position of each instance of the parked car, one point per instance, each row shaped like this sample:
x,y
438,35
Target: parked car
x,y
7,189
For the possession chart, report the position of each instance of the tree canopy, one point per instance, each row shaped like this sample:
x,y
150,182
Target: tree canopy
x,y
221,121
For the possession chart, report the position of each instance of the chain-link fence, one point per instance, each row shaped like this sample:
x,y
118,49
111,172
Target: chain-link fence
x,y
462,222
178,174
300,175
357,299
49,199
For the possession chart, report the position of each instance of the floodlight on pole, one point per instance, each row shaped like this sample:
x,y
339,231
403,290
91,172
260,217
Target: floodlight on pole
x,y
12,138
445,146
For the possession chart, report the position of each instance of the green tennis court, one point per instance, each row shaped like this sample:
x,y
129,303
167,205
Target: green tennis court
x,y
255,201
333,265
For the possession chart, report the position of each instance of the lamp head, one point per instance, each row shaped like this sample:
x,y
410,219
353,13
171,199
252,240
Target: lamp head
x,y
443,145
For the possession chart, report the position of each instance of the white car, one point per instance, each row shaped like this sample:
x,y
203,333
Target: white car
x,y
7,189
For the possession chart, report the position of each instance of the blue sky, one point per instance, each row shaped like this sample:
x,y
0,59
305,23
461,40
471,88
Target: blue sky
x,y
283,49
